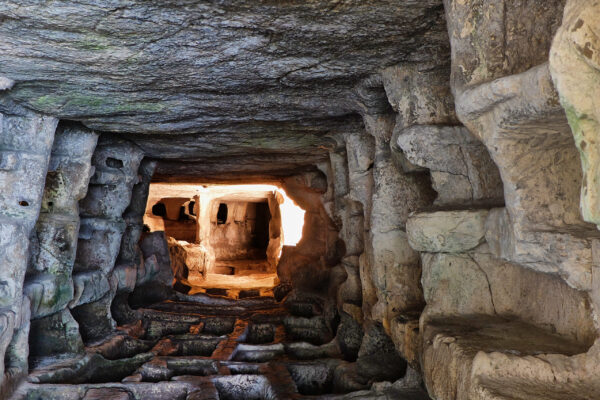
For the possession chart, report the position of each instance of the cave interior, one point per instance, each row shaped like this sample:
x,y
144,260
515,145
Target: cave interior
x,y
264,200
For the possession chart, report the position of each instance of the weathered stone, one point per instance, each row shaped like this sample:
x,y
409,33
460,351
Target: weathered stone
x,y
88,287
493,39
266,61
575,67
49,285
98,245
57,334
116,165
561,254
462,171
95,318
354,110
446,231
48,293
134,214
16,357
377,357
349,336
526,132
450,346
405,335
360,150
477,283
25,142
350,290
420,94
388,253
454,284
539,377
155,244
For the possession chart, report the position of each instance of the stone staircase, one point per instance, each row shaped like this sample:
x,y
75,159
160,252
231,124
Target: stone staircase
x,y
211,348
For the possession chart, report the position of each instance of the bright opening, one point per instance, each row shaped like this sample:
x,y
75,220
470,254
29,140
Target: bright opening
x,y
292,220
225,239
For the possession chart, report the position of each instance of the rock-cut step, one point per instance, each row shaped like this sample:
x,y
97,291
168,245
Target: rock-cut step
x,y
490,358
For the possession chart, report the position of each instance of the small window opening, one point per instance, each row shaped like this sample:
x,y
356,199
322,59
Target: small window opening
x,y
114,163
191,206
222,214
182,215
159,210
23,203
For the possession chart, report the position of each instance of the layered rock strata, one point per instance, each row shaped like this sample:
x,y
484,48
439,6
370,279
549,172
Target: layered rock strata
x,y
25,145
116,165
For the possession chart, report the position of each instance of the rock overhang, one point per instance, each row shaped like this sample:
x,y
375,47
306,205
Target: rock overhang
x,y
196,67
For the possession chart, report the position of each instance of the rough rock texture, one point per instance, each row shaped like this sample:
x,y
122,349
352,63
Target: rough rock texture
x,y
496,312
116,165
446,231
419,93
462,171
262,61
450,238
25,144
520,121
490,40
49,285
393,265
575,67
131,257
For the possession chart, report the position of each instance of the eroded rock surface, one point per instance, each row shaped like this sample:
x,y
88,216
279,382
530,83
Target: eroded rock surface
x,y
443,153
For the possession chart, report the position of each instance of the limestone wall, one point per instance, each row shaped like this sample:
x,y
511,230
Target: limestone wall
x,y
449,175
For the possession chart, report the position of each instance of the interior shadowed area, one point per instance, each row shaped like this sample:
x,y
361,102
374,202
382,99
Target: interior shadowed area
x,y
224,239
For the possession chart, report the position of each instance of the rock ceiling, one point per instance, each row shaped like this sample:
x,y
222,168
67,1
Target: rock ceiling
x,y
257,82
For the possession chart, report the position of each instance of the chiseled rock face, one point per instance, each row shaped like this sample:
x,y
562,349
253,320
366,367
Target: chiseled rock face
x,y
55,335
420,94
88,287
454,284
391,264
548,376
116,165
561,254
134,216
520,121
478,283
497,38
462,171
200,67
575,68
455,353
25,144
49,284
446,231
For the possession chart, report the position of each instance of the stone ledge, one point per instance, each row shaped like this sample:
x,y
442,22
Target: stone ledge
x,y
450,347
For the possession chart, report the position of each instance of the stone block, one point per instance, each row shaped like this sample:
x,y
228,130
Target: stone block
x,y
89,286
446,231
462,170
57,334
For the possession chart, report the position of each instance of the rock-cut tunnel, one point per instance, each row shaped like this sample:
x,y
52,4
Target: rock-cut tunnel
x,y
325,199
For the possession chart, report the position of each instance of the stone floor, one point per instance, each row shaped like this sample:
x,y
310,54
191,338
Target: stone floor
x,y
235,279
204,347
